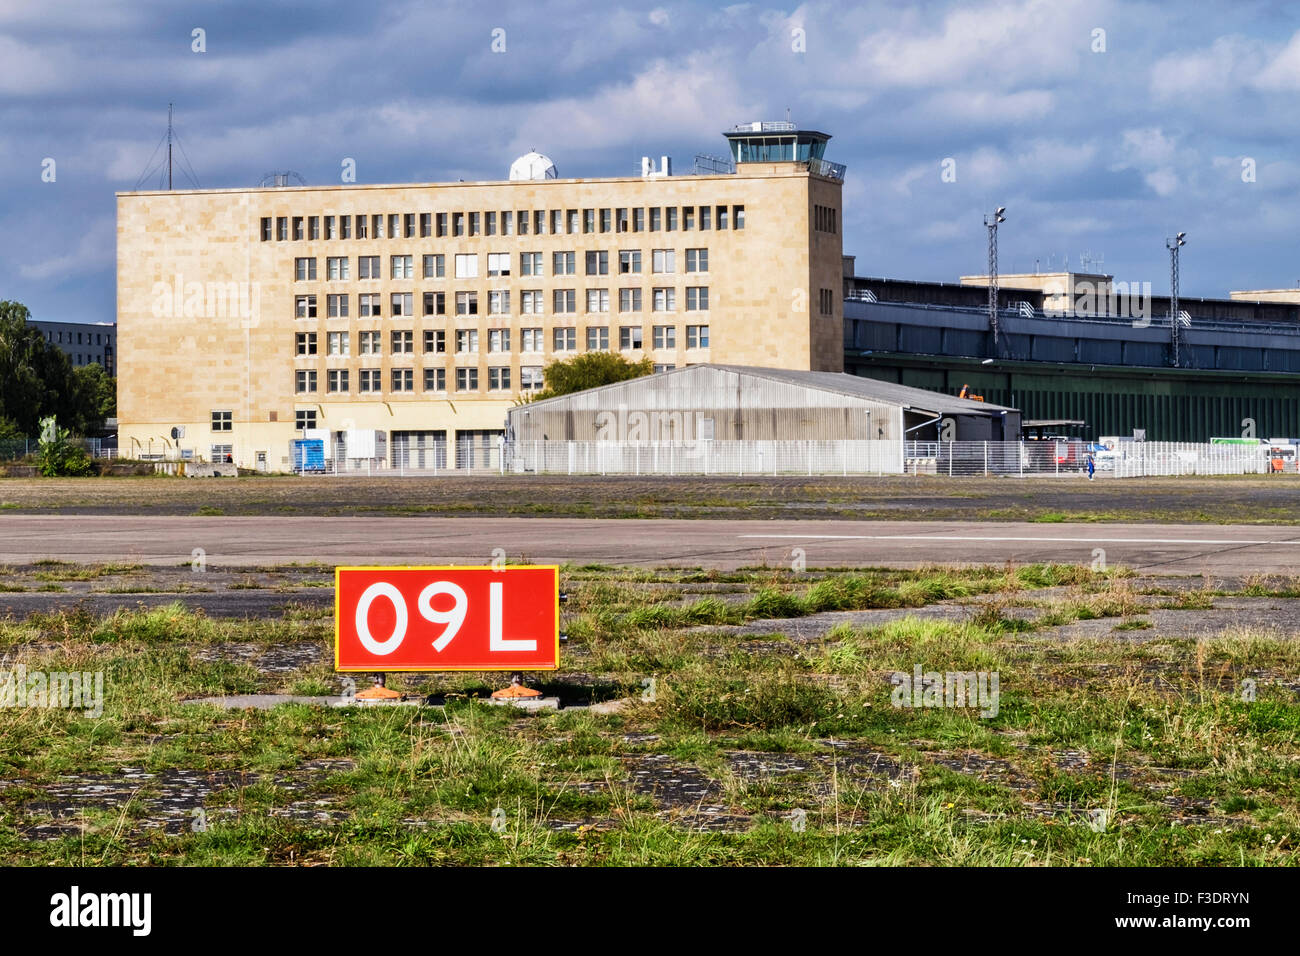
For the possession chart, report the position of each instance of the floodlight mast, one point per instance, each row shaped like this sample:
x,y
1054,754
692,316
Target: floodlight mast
x,y
992,223
1175,328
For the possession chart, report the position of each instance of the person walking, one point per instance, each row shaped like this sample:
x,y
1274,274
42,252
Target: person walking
x,y
1092,467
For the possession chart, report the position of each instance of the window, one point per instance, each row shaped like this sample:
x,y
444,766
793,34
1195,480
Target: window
x,y
565,301
305,343
530,377
638,219
670,219
305,380
499,302
368,267
557,221
361,227
665,336
490,224
304,418
697,336
629,300
440,224
266,229
530,302
656,218
563,264
345,227
401,267
597,263
597,300
338,267
620,220
697,298
665,300
737,217
394,226
426,225
281,228
435,380
466,266
337,380
403,341
370,380
337,343
368,305
530,340
508,222
403,380
697,260
467,303
304,269
606,220
221,452
688,218
402,304
826,299
722,217
304,306
435,267
664,260
530,263
629,262
313,227
498,263
564,340
629,336
222,421
704,217
473,223
435,303
597,339
572,217
408,223
370,344
664,368
435,340
499,378
297,227
589,220
458,224
466,379
376,227
467,340
539,222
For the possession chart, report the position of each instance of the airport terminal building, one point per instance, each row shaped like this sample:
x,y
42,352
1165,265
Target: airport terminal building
x,y
420,312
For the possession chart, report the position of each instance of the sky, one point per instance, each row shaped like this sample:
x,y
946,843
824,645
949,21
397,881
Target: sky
x,y
1102,127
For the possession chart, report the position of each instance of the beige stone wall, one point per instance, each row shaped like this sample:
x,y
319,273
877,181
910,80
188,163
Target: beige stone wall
x,y
206,308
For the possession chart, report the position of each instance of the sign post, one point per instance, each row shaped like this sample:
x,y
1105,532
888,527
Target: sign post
x,y
446,619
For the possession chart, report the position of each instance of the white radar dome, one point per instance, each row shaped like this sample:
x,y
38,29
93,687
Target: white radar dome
x,y
533,166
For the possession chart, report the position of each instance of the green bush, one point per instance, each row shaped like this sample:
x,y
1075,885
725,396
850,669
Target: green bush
x,y
61,456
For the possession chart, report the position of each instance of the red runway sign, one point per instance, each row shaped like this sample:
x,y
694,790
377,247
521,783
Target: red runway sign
x,y
447,618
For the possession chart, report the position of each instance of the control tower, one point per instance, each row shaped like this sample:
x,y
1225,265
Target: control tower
x,y
776,142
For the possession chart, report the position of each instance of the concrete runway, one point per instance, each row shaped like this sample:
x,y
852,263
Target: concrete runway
x,y
724,544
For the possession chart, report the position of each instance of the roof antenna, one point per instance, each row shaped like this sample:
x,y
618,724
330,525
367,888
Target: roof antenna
x,y
787,114
169,147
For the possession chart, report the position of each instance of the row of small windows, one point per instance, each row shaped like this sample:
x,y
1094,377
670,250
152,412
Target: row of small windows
x,y
531,302
521,222
96,338
466,265
826,219
402,342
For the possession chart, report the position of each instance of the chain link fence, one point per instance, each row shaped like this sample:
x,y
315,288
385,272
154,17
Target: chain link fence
x,y
703,457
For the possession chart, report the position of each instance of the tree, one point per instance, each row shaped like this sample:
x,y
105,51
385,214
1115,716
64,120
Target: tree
x,y
590,370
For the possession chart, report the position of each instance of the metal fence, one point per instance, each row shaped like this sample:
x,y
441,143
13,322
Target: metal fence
x,y
14,449
703,457
470,457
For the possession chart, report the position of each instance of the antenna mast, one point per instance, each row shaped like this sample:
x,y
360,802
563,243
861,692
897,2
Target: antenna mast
x,y
169,147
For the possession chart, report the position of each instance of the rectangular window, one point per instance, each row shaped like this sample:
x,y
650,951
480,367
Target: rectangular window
x,y
403,379
564,263
402,267
370,344
508,222
697,298
222,421
426,225
499,302
403,341
539,222
313,227
408,222
297,227
664,368
305,342
664,260
629,300
656,218
629,262
629,336
530,377
467,303
337,379
564,340
597,339
737,217
304,418
402,304
697,260
266,229
688,218
665,300
530,340
498,264
368,305
722,217
665,336
370,380
440,225
435,266
565,301
467,380
704,217
362,227
304,380
557,221
467,340
345,227
368,267
589,220
697,336
337,343
435,340
597,263
376,227
606,220
498,340
489,224
620,220
572,216
338,267
499,378
530,263
466,266
458,224
304,269
394,226
530,302
435,380
474,218
670,219
435,303
304,306
638,219
597,300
